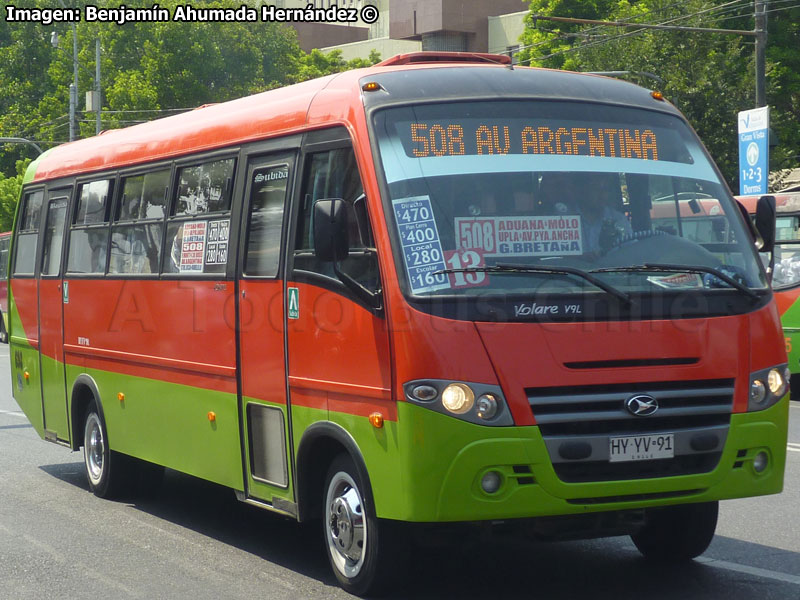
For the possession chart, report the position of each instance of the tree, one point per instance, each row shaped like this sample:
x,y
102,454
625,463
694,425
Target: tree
x,y
709,77
9,194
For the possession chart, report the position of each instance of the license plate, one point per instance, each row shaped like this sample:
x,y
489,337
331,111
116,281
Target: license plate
x,y
641,447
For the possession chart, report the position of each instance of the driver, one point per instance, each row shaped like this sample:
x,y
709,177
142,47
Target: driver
x,y
602,224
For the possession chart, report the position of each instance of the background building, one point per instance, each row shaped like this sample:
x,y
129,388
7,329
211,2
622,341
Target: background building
x,y
413,25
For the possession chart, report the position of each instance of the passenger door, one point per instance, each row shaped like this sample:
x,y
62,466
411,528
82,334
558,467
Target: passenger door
x,y
260,313
52,296
23,306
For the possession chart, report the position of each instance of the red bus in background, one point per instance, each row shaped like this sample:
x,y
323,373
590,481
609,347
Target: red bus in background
x,y
786,273
5,240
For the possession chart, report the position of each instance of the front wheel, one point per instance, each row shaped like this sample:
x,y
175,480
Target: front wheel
x,y
677,533
360,548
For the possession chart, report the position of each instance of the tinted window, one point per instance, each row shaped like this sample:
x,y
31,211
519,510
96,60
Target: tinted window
x,y
135,248
54,236
25,243
197,246
143,196
334,174
204,188
267,197
88,240
93,201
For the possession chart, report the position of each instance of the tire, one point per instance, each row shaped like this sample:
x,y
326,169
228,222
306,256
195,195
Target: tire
x,y
677,533
362,550
106,471
3,332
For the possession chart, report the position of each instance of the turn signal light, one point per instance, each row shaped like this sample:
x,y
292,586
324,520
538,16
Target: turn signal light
x,y
212,416
657,95
372,86
26,375
376,419
121,397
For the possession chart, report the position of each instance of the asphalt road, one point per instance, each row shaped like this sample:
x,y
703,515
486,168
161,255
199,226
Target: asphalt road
x,y
193,540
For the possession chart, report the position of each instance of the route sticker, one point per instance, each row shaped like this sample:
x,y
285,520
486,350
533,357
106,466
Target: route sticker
x,y
193,246
422,248
520,236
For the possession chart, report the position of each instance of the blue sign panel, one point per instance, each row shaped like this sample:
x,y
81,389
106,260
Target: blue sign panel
x,y
422,249
753,151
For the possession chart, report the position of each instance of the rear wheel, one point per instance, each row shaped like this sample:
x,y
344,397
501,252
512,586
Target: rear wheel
x,y
3,332
677,533
361,549
105,470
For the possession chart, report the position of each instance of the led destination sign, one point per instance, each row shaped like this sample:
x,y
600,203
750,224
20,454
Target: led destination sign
x,y
473,137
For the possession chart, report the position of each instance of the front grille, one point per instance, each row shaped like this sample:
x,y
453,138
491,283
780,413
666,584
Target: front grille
x,y
595,413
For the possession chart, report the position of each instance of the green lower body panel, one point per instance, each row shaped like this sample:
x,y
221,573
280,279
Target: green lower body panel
x,y
432,472
170,424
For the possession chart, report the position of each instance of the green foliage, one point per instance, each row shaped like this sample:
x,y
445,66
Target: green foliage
x,y
148,70
9,194
709,77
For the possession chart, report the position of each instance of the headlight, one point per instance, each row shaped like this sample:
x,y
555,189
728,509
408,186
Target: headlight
x,y
775,382
458,398
477,403
767,386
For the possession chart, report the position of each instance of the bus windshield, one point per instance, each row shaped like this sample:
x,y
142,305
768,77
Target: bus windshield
x,y
509,196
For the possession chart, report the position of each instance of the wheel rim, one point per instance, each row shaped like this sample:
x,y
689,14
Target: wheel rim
x,y
345,525
94,449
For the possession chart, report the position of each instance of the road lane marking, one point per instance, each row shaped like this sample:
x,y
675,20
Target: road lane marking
x,y
792,447
13,413
766,573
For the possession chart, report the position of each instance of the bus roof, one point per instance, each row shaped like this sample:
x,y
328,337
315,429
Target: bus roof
x,y
328,100
784,203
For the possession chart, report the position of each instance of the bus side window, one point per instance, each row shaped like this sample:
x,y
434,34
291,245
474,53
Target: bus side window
x,y
88,238
136,234
267,198
27,234
334,174
4,242
198,226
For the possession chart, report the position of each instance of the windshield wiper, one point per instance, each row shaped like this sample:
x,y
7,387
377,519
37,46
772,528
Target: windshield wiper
x,y
511,268
667,268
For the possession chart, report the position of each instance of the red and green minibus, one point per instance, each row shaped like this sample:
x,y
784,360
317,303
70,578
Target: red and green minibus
x,y
786,274
432,293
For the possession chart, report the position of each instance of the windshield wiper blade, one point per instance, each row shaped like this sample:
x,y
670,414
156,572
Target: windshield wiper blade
x,y
511,268
667,268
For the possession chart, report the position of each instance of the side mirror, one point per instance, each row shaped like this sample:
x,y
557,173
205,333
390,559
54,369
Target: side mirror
x,y
331,243
765,222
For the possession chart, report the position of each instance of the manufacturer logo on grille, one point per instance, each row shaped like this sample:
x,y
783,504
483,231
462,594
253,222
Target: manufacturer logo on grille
x,y
641,405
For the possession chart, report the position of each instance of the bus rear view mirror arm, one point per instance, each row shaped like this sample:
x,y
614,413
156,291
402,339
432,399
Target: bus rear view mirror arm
x,y
332,244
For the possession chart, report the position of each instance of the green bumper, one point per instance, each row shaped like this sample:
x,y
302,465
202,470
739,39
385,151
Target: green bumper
x,y
440,462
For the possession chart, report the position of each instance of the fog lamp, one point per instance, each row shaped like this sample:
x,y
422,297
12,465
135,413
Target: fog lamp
x,y
458,398
490,482
758,391
760,462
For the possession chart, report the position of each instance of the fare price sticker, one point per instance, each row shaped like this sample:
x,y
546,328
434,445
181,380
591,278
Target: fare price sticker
x,y
422,248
